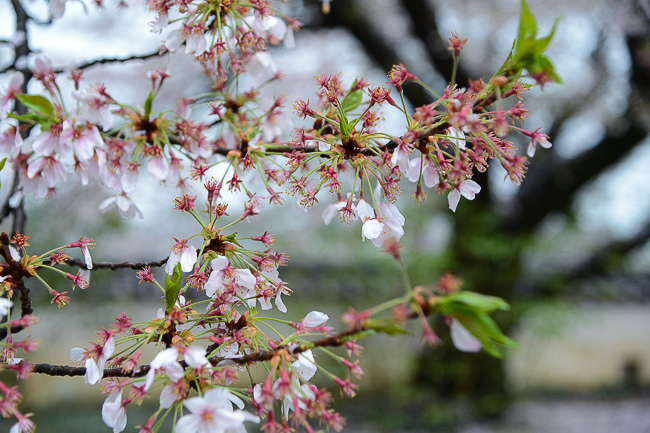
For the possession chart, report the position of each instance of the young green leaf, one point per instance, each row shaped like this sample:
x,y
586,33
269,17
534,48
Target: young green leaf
x,y
387,326
36,103
148,103
351,101
486,331
172,288
483,303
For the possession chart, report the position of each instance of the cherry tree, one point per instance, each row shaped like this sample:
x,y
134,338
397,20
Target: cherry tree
x,y
222,356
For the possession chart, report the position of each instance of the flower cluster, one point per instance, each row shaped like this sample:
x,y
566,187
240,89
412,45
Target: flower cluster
x,y
218,285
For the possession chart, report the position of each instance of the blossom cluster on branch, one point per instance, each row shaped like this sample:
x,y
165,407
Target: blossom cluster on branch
x,y
231,139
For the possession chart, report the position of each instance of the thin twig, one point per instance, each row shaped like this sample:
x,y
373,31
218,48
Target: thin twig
x,y
115,60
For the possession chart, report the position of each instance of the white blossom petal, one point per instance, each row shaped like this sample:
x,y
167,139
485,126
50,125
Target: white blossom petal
x,y
463,339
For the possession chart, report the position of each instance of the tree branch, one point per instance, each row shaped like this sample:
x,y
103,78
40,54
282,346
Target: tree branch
x,y
335,340
115,60
120,265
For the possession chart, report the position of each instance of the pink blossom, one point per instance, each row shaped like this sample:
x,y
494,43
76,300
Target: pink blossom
x,y
8,97
167,360
536,138
423,166
83,140
223,274
157,167
49,168
400,155
271,275
380,226
213,413
94,369
467,188
48,142
96,107
184,254
192,35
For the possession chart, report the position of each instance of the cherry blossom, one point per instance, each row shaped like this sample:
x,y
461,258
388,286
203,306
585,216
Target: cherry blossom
x,y
184,254
304,365
380,226
96,108
7,99
468,189
167,360
94,368
222,275
213,413
423,166
82,139
536,138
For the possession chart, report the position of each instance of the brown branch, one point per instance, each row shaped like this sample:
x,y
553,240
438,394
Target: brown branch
x,y
114,266
264,355
335,340
115,60
17,277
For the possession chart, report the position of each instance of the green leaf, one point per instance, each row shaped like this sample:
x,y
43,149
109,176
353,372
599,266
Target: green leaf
x,y
486,331
387,326
527,24
343,125
352,101
529,50
36,103
29,117
172,288
464,300
2,163
147,104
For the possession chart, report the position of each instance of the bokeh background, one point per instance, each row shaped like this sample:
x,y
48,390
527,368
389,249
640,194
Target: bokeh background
x,y
568,248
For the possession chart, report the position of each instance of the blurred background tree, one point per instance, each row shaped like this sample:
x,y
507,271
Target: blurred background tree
x,y
578,227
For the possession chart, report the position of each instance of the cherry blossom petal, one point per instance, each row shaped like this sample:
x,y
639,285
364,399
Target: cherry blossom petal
x,y
167,396
314,318
93,373
463,339
5,305
195,357
371,229
304,365
454,198
113,413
